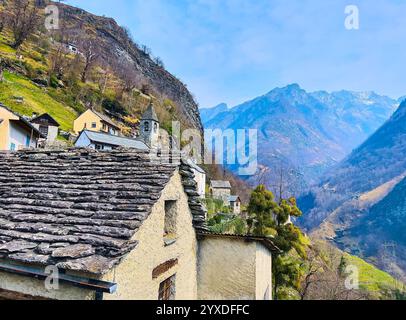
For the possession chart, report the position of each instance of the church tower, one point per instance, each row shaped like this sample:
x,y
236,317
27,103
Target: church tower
x,y
150,127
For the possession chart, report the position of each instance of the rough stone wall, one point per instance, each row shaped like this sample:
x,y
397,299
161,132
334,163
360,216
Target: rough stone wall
x,y
226,269
134,274
221,194
35,287
52,134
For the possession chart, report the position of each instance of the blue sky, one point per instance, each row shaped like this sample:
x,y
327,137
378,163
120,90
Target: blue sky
x,y
234,50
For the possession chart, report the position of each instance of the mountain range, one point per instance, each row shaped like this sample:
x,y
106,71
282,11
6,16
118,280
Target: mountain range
x,y
360,204
305,133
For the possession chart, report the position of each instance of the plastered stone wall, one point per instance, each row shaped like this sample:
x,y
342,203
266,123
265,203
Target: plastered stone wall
x,y
263,273
226,269
134,275
233,269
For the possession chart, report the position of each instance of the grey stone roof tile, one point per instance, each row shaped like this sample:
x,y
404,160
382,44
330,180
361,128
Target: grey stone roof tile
x,y
79,208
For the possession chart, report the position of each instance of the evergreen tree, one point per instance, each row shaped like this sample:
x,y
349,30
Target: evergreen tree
x,y
269,218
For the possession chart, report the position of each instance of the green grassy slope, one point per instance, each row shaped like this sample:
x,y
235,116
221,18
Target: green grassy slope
x,y
373,280
36,100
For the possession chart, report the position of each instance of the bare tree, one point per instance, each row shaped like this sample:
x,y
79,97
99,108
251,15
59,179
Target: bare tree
x,y
2,18
23,20
91,54
324,279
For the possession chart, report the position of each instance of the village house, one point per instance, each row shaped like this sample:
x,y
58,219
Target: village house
x,y
117,225
151,137
221,190
200,178
16,133
235,205
47,125
105,141
72,48
95,121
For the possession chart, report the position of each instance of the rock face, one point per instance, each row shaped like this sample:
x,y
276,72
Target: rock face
x,y
115,45
79,209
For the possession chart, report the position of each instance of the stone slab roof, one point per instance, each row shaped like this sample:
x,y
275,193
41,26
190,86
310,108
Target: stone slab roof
x,y
150,114
220,184
105,138
266,241
78,209
106,119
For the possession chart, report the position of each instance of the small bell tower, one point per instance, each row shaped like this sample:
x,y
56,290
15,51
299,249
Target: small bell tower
x,y
150,127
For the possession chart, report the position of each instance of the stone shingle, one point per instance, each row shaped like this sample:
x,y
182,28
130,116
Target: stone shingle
x,y
80,208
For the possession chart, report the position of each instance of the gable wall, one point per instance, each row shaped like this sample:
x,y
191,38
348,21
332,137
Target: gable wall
x,y
87,118
19,135
5,128
134,275
226,269
221,194
263,273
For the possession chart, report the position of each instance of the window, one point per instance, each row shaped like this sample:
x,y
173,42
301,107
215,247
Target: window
x,y
104,127
170,219
12,147
99,147
94,125
155,127
27,141
167,289
146,126
44,130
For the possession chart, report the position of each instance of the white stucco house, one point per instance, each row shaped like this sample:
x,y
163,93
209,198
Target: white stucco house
x,y
200,178
117,225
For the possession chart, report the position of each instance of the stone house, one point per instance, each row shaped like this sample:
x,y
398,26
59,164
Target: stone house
x,y
105,141
235,205
95,121
47,125
16,133
221,190
116,225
